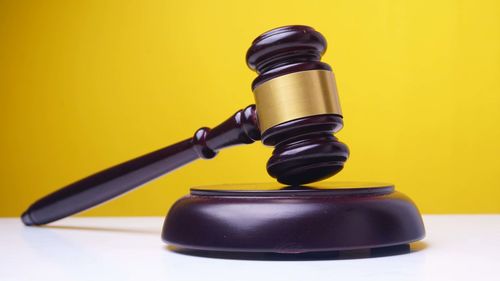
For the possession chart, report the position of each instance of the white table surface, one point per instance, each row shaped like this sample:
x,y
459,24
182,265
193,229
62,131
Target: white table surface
x,y
457,247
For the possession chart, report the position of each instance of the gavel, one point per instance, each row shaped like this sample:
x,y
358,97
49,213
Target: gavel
x,y
296,111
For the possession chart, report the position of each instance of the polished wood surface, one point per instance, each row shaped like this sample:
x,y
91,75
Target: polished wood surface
x,y
241,128
285,50
305,149
298,219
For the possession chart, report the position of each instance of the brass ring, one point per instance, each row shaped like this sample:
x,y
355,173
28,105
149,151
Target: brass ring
x,y
296,95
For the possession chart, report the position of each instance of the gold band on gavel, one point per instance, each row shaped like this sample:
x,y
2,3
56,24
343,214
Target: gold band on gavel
x,y
296,95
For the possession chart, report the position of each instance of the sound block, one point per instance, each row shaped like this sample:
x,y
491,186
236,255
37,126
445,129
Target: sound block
x,y
292,219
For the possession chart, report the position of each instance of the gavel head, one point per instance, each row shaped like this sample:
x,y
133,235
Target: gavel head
x,y
297,105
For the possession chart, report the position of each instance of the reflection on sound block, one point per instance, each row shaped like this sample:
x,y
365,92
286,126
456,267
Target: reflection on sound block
x,y
272,218
328,255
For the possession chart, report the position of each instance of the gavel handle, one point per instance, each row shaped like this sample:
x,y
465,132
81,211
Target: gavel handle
x,y
91,191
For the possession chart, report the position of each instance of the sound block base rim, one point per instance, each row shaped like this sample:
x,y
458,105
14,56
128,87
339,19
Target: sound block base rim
x,y
323,255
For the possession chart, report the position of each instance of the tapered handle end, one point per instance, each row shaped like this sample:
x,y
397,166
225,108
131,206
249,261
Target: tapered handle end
x,y
26,218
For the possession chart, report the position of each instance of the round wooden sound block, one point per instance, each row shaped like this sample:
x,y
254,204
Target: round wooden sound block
x,y
292,219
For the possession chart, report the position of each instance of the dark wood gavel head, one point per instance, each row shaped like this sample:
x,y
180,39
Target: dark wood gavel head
x,y
297,105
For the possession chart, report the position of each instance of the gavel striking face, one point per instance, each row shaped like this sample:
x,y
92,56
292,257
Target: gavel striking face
x,y
297,111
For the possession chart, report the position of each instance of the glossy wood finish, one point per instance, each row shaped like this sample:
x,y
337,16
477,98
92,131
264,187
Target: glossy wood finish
x,y
293,219
286,50
241,128
305,149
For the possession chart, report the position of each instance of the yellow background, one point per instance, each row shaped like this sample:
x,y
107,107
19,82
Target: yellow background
x,y
87,84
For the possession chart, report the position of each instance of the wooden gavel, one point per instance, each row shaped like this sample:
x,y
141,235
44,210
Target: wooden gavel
x,y
297,111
